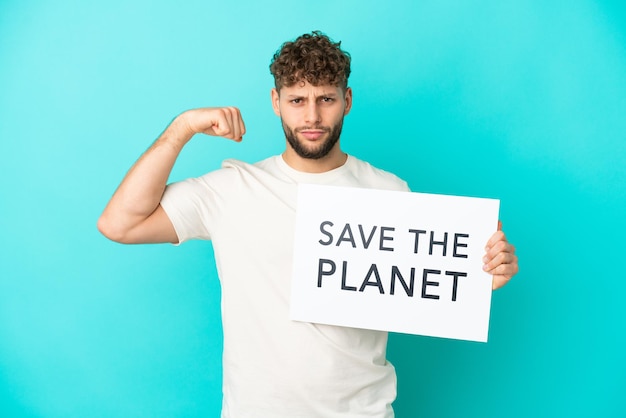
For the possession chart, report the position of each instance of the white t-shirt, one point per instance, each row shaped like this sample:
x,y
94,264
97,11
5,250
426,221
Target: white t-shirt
x,y
275,367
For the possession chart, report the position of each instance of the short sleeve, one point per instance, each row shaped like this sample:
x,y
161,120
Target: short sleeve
x,y
187,205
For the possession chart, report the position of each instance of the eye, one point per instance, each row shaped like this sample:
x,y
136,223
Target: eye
x,y
296,101
327,99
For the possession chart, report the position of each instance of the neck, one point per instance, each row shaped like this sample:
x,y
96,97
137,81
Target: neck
x,y
334,159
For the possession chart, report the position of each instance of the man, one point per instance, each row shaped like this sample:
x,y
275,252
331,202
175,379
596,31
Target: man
x,y
273,367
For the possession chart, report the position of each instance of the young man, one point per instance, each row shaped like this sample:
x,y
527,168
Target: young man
x,y
273,367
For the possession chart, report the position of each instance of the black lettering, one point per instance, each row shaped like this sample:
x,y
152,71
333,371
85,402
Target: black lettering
x,y
366,243
395,273
344,273
328,234
347,231
383,237
455,282
458,244
426,282
366,282
443,243
321,272
417,233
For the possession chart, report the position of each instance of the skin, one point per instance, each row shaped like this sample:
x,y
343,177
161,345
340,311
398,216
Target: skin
x,y
310,114
500,260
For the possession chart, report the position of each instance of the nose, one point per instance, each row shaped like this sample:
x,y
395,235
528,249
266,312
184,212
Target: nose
x,y
312,115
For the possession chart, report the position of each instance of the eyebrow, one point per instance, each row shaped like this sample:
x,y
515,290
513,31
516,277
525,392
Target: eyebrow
x,y
299,96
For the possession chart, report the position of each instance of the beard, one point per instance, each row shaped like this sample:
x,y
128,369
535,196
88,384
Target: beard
x,y
314,151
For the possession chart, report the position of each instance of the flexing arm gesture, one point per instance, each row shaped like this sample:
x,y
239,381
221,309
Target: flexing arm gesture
x,y
134,215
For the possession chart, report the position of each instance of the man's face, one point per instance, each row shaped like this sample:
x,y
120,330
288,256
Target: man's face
x,y
312,117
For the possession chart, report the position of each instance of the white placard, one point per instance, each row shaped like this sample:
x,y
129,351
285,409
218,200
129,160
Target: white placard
x,y
393,261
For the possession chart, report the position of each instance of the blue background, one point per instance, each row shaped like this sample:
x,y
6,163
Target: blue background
x,y
522,101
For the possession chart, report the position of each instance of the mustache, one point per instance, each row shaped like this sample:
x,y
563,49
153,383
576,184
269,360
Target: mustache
x,y
318,128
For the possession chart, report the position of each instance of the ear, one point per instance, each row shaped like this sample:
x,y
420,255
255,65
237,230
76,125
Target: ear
x,y
348,100
275,101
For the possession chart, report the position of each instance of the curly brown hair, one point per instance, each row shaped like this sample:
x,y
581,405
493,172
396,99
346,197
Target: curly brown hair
x,y
312,57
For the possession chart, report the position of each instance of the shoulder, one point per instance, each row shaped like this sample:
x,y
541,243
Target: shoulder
x,y
227,174
266,165
375,177
232,175
230,170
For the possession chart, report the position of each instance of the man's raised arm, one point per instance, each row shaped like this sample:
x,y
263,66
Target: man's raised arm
x,y
134,214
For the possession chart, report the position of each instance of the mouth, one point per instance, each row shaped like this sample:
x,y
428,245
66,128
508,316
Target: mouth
x,y
312,134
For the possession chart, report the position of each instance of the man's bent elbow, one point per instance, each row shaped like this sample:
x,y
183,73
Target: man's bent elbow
x,y
112,231
156,228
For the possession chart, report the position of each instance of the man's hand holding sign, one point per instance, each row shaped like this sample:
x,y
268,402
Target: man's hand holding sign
x,y
500,259
397,261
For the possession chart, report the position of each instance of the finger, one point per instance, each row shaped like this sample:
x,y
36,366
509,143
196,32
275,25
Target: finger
x,y
502,258
230,127
232,131
238,124
499,225
217,123
495,238
234,120
242,125
503,273
499,281
499,247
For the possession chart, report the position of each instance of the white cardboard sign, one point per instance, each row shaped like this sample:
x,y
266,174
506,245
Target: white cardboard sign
x,y
393,261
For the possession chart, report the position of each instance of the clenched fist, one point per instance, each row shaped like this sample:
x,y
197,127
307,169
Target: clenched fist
x,y
215,121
